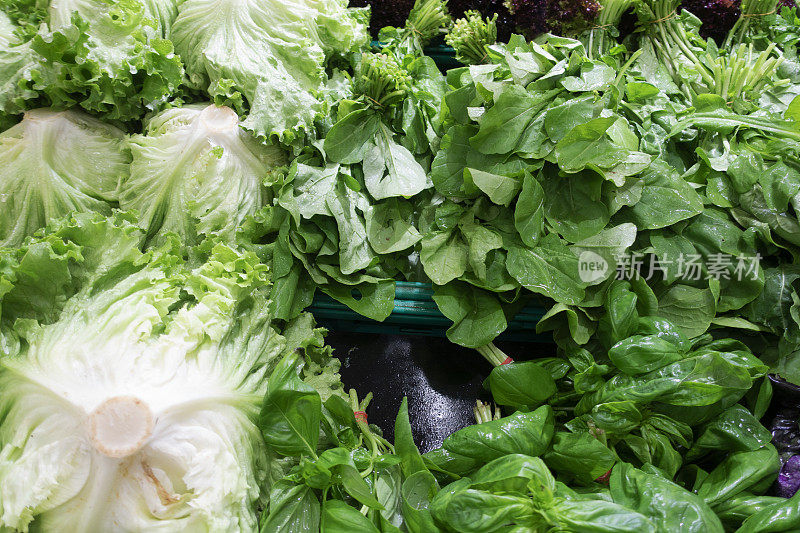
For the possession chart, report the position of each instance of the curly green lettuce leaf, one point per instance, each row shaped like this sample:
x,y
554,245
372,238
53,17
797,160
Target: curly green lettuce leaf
x,y
270,53
105,56
26,15
164,13
17,60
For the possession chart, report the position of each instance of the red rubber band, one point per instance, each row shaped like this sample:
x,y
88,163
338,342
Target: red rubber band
x,y
360,415
507,361
604,478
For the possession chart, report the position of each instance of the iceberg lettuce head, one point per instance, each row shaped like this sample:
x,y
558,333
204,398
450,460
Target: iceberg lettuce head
x,y
197,172
131,383
55,162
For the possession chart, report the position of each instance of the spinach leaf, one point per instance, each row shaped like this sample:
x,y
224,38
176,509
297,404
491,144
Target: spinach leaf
x,y
666,199
291,412
505,127
666,504
477,315
523,433
348,138
521,384
390,169
550,269
529,211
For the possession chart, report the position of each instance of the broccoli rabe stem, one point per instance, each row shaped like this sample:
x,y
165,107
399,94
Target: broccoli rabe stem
x,y
471,35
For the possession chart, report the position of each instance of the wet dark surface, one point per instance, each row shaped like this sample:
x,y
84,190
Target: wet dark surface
x,y
440,379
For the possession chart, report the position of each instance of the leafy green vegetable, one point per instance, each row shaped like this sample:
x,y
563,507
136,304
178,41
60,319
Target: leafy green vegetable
x,y
679,508
646,194
56,163
470,35
133,357
108,57
268,58
195,172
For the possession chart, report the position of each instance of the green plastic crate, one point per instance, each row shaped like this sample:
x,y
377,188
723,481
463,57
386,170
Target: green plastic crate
x,y
415,313
444,56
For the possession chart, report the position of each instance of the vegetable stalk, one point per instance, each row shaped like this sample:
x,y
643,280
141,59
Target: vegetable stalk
x,y
671,41
601,37
751,11
484,413
494,355
381,80
471,35
376,444
428,18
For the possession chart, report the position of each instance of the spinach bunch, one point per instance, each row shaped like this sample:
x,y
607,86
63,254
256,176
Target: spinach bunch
x,y
503,182
541,166
642,413
663,149
343,219
674,453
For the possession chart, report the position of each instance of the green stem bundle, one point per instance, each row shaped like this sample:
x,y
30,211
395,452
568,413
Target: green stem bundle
x,y
600,38
752,10
427,19
471,35
483,412
493,354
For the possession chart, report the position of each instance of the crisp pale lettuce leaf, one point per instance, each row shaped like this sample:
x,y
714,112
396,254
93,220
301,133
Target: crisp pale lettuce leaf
x,y
197,172
55,162
84,249
106,55
132,398
16,62
271,53
27,15
163,12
